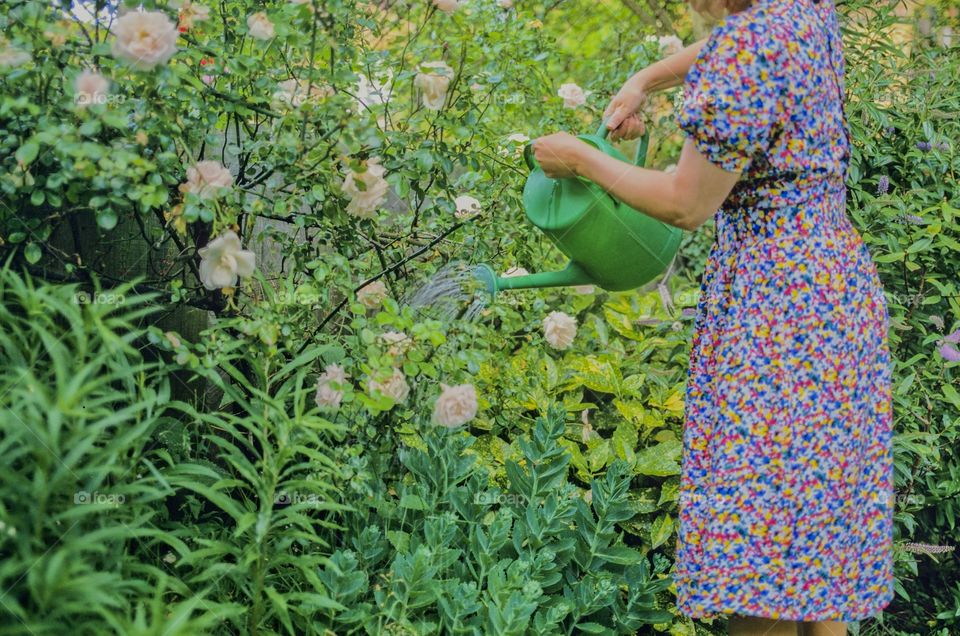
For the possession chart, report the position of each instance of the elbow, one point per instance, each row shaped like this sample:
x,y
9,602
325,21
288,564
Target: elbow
x,y
691,219
684,209
689,208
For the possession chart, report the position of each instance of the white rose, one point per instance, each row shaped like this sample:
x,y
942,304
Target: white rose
x,y
11,56
433,84
446,5
395,387
372,294
259,26
144,39
374,93
223,260
518,138
397,342
559,330
515,271
572,95
330,387
90,88
191,12
669,44
207,179
294,92
670,168
583,289
505,4
456,405
466,206
365,199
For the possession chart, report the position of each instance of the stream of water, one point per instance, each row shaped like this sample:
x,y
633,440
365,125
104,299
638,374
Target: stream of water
x,y
453,293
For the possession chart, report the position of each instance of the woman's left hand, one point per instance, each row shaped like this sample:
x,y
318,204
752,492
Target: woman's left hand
x,y
558,154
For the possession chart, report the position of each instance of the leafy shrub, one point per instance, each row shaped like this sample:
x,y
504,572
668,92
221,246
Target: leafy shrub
x,y
80,495
441,551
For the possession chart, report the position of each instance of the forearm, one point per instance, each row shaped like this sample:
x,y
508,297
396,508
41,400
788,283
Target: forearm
x,y
652,191
670,71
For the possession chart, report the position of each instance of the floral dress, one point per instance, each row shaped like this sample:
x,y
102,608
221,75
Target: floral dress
x,y
786,496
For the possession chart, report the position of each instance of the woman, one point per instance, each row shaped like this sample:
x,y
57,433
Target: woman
x,y
786,514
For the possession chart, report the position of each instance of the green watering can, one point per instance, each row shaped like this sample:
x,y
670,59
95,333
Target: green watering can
x,y
609,244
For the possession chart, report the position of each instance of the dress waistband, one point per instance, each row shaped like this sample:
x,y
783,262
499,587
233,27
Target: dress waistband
x,y
815,208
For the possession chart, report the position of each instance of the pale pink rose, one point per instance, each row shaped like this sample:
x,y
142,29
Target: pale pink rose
x,y
223,260
90,88
330,387
559,330
515,271
294,92
372,294
433,81
584,289
669,44
208,79
466,206
191,13
144,39
505,4
456,405
259,26
397,342
366,189
207,179
11,56
447,5
374,93
572,95
395,387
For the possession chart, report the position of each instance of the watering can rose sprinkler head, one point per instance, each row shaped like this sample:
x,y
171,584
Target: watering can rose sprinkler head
x,y
609,244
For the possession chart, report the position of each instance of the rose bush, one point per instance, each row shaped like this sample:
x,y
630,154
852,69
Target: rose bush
x,y
316,451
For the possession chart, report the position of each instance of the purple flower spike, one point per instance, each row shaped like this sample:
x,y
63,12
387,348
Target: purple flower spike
x,y
913,219
953,338
883,184
949,353
945,146
890,130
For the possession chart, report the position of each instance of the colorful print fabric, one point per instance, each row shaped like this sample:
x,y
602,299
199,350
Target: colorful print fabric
x,y
786,497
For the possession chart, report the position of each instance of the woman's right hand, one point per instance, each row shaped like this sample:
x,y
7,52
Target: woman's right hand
x,y
622,114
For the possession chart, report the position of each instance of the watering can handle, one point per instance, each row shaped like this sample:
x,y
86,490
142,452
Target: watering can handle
x,y
640,158
602,132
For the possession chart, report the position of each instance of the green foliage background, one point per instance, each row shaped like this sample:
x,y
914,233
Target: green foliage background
x,y
166,469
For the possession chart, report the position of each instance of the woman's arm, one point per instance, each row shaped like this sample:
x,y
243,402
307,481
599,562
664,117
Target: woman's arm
x,y
685,198
666,73
670,71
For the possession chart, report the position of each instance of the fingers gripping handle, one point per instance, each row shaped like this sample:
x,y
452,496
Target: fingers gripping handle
x,y
640,158
603,132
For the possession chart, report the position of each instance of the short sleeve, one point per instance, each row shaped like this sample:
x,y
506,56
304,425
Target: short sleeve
x,y
731,95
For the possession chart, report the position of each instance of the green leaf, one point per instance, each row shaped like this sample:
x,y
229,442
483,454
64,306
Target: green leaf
x,y
951,394
625,440
27,152
661,530
660,460
32,253
107,219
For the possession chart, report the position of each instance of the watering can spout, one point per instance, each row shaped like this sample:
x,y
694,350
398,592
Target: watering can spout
x,y
569,276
